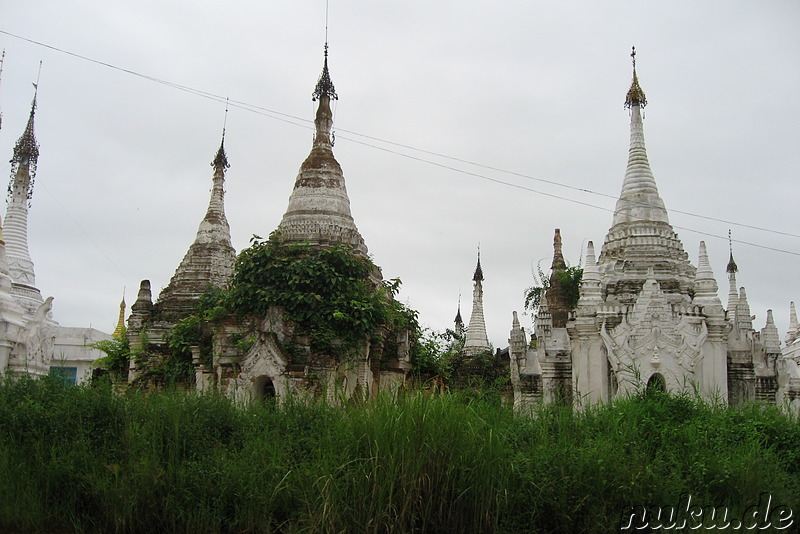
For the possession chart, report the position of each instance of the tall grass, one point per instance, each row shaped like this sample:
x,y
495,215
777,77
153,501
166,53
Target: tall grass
x,y
81,459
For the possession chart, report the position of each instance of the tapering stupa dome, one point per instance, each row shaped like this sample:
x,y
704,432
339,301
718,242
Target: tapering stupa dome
x,y
319,208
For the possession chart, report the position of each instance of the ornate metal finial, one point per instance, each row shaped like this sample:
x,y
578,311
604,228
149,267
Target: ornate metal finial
x,y
478,276
324,84
635,96
221,160
732,268
26,151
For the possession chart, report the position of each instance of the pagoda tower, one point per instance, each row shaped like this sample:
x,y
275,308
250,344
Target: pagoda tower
x,y
120,330
209,260
458,322
655,320
319,208
23,173
641,240
476,340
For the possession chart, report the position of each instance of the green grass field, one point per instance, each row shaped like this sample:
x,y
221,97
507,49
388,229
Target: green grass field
x,y
81,459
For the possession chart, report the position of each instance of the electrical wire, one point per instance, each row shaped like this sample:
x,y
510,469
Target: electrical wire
x,y
305,123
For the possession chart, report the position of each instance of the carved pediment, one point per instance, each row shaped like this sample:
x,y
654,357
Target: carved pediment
x,y
653,335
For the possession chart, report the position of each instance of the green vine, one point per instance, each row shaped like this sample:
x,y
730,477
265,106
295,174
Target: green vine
x,y
117,355
334,296
570,279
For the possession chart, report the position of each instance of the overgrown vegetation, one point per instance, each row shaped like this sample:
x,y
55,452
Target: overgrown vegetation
x,y
570,279
117,355
334,296
81,459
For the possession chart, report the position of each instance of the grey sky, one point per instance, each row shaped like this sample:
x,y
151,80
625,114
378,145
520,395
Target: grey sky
x,y
531,87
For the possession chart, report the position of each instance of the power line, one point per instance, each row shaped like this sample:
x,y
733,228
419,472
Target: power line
x,y
291,119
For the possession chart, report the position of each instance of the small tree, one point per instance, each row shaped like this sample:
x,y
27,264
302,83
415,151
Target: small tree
x,y
570,279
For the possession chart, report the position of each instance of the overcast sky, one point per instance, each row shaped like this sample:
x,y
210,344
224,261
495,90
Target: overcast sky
x,y
532,88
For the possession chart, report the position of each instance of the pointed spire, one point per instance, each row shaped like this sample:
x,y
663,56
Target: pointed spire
x,y
791,334
23,171
635,96
770,336
220,162
639,200
478,276
476,340
591,292
732,267
324,84
556,294
210,259
704,272
705,285
319,208
119,331
558,256
26,157
459,322
744,318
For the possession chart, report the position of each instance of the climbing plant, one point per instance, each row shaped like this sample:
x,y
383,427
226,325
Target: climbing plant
x,y
570,279
335,296
117,355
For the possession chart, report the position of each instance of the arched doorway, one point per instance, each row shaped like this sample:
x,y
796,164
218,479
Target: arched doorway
x,y
264,389
657,383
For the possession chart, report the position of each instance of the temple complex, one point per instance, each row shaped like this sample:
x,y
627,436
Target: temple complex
x,y
280,358
646,317
641,316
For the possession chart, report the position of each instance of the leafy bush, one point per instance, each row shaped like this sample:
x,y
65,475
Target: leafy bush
x,y
333,295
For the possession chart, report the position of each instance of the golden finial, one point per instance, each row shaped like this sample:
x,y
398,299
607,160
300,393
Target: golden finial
x,y
635,96
119,331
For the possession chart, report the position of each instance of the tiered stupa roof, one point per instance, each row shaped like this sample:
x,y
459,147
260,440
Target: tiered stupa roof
x,y
319,208
20,191
641,238
210,259
476,340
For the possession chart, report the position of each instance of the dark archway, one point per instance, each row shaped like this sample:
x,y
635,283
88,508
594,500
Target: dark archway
x,y
265,389
657,383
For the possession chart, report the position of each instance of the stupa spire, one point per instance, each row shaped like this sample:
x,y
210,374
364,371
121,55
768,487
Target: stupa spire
x,y
319,208
476,340
791,334
20,190
591,293
478,276
732,269
744,319
324,85
635,96
640,236
119,331
459,322
210,259
705,285
639,199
